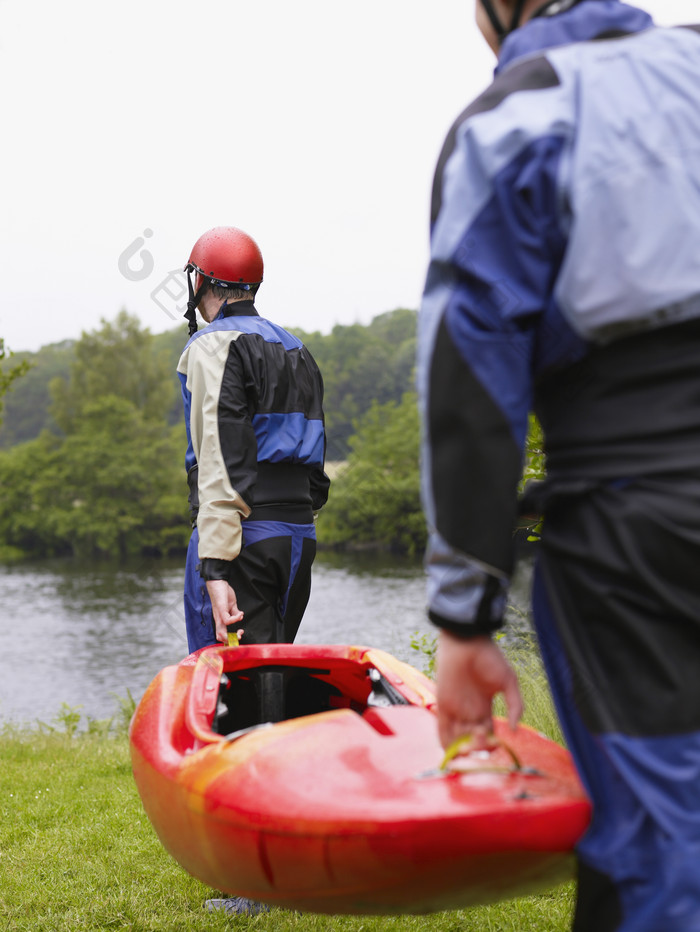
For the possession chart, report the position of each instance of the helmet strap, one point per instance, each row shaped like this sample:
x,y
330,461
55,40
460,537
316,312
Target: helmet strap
x,y
517,13
498,26
500,29
191,313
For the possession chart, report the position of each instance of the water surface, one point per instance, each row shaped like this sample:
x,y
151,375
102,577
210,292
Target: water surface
x,y
83,634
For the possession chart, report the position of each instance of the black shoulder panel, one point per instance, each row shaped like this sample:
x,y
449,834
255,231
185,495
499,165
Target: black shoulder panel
x,y
476,463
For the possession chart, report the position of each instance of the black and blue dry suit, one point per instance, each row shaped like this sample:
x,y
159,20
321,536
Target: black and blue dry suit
x,y
253,399
565,279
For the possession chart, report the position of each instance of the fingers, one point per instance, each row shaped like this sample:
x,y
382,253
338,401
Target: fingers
x,y
470,673
220,631
463,709
224,608
471,716
233,613
452,729
514,702
223,621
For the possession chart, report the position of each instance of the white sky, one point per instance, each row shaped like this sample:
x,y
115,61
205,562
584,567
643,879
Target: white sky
x,y
313,125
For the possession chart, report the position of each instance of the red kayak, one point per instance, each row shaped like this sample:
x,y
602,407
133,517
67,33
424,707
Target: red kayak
x,y
310,778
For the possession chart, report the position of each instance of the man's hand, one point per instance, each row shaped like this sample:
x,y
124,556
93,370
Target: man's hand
x,y
470,672
224,607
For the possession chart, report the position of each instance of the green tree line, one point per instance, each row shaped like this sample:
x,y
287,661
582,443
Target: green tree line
x,y
9,373
93,443
375,498
103,470
361,365
104,480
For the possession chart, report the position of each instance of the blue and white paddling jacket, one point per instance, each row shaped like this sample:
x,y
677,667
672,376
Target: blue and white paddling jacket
x,y
253,398
565,279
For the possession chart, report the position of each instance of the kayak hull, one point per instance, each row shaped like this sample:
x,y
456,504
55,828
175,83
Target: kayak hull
x,y
343,810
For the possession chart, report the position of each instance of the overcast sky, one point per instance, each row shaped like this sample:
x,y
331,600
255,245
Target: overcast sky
x,y
133,127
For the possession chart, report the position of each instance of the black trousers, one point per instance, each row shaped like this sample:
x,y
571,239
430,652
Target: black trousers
x,y
273,588
271,578
617,611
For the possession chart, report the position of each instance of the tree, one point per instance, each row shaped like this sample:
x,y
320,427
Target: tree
x,y
27,408
362,365
7,377
115,487
376,498
114,482
120,360
25,472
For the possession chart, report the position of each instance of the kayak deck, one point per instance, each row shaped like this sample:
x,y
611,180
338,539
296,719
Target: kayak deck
x,y
308,777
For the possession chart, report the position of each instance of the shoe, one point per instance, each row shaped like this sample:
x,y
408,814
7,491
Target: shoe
x,y
236,905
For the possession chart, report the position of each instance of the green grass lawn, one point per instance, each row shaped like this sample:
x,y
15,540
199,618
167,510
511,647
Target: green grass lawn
x,y
78,853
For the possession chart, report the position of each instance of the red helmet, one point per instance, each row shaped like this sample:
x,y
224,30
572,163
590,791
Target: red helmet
x,y
227,256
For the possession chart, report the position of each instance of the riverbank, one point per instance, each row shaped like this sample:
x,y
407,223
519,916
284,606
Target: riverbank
x,y
77,852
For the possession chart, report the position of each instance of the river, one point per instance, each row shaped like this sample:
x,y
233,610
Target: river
x,y
84,635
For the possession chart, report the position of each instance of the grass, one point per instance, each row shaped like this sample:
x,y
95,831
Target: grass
x,y
525,657
78,853
539,708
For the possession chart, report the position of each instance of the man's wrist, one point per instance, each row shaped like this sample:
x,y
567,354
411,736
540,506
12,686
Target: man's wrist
x,y
210,568
465,630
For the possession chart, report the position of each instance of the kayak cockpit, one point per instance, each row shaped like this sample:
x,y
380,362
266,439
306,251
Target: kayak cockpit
x,y
258,695
235,689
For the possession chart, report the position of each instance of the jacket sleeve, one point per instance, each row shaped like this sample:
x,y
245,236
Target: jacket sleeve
x,y
221,505
490,276
319,484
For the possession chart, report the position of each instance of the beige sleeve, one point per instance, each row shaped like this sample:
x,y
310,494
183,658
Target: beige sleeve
x,y
220,506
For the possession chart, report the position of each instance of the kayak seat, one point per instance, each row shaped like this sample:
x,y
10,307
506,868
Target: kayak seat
x,y
273,694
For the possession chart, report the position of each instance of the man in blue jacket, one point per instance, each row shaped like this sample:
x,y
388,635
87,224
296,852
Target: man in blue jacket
x,y
253,399
565,279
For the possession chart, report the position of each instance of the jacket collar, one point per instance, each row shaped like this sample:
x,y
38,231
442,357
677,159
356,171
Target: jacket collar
x,y
586,20
238,309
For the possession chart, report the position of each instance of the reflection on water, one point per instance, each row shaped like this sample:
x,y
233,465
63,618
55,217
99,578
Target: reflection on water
x,y
77,634
81,634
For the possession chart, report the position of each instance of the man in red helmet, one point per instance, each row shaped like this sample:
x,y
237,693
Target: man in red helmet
x,y
253,399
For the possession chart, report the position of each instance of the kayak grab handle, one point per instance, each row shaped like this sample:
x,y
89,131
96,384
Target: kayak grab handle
x,y
463,746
